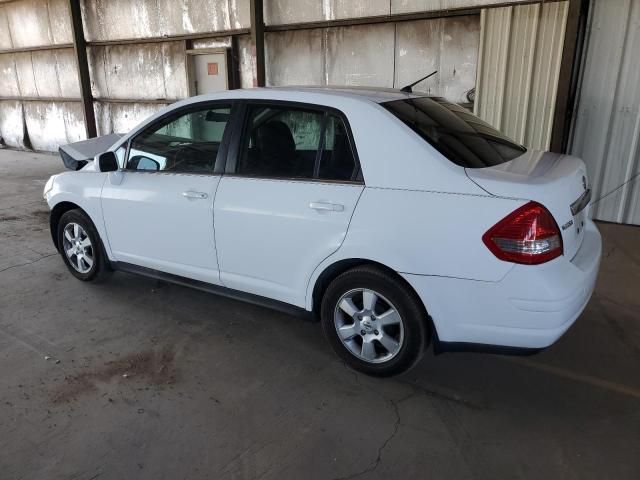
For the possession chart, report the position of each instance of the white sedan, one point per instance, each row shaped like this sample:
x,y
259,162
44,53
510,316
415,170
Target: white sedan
x,y
395,218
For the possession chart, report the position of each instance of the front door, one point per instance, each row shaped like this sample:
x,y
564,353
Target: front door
x,y
159,210
287,199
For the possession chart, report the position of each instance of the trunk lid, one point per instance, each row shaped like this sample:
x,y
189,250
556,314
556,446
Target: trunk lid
x,y
559,182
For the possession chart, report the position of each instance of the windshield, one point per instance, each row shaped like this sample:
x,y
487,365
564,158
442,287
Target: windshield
x,y
455,132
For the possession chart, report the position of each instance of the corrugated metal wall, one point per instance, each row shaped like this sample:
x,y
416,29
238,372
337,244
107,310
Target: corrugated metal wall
x,y
606,132
520,55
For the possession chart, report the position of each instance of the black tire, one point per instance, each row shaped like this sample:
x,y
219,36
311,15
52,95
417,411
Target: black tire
x,y
100,269
413,317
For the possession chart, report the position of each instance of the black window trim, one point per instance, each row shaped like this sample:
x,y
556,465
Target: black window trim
x,y
241,125
218,168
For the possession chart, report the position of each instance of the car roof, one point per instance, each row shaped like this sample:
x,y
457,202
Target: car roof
x,y
369,94
373,94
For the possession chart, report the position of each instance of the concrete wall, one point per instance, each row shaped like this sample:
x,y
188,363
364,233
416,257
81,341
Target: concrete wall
x,y
143,72
122,117
127,19
381,55
12,126
34,23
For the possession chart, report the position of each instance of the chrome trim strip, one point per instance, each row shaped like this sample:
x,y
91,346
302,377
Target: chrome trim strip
x,y
581,203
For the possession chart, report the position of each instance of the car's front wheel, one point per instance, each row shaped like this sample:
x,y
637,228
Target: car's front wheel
x,y
374,321
81,248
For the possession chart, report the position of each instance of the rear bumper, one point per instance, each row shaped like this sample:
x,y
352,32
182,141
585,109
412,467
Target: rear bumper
x,y
531,307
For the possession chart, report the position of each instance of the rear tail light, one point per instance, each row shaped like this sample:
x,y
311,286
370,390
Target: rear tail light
x,y
529,235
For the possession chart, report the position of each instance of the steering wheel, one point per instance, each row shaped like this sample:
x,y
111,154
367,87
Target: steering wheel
x,y
185,156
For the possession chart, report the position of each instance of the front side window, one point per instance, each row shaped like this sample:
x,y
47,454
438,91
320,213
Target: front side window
x,y
281,142
455,132
188,143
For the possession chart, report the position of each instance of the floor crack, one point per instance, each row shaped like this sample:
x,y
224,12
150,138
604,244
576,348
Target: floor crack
x,y
396,427
27,263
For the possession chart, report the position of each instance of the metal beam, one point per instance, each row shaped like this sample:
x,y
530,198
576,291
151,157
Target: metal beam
x,y
80,48
169,38
257,40
569,72
152,101
41,99
399,17
36,49
350,22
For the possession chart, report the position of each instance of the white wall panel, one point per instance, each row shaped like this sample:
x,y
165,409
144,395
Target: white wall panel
x,y
381,55
11,124
146,71
124,19
32,23
448,45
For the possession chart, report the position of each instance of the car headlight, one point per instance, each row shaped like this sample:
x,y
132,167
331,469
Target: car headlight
x,y
48,186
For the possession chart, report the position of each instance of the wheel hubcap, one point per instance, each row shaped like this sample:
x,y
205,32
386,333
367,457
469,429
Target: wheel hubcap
x,y
369,325
77,247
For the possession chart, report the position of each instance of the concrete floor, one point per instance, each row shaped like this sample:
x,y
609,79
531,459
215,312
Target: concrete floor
x,y
148,380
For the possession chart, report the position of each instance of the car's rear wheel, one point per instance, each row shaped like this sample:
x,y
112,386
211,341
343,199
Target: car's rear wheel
x,y
81,248
374,321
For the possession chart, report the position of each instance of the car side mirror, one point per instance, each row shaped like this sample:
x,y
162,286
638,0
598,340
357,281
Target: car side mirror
x,y
140,162
107,162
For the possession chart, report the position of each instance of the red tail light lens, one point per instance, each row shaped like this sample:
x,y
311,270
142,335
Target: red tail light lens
x,y
529,235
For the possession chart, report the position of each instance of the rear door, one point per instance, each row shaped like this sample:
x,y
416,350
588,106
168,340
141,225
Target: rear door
x,y
158,210
292,182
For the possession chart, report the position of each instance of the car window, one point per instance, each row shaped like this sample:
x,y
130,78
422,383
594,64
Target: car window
x,y
337,161
291,142
186,144
280,142
455,132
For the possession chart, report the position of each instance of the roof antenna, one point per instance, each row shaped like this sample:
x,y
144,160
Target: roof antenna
x,y
409,88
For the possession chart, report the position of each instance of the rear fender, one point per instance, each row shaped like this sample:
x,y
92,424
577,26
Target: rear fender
x,y
423,233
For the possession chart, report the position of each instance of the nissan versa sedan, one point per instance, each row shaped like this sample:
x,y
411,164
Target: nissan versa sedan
x,y
395,218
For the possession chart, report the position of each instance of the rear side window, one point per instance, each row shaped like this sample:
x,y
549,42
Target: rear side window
x,y
337,161
455,132
295,143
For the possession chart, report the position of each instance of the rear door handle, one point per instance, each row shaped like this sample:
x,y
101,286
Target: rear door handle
x,y
192,194
326,207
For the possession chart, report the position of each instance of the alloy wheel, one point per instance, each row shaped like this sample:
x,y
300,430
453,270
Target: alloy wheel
x,y
369,325
77,247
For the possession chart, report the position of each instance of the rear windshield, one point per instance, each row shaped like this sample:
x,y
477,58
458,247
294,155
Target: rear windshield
x,y
455,132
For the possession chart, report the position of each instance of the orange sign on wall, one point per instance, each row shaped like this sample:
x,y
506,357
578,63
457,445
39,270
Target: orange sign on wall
x,y
212,68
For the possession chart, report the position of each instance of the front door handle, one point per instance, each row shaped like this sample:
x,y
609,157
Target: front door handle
x,y
326,207
192,194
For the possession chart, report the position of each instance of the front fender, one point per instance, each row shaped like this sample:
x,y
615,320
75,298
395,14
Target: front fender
x,y
84,189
